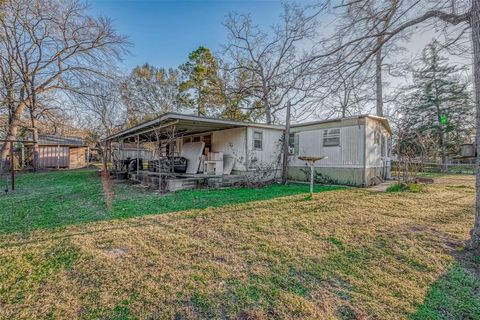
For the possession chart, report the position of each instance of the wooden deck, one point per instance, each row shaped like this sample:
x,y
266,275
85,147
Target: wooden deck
x,y
171,182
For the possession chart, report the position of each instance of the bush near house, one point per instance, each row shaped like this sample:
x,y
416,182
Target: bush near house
x,y
402,187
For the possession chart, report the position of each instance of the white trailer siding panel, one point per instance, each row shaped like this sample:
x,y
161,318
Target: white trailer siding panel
x,y
349,154
271,146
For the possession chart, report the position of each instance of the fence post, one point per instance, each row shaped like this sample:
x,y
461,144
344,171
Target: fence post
x,y
58,157
12,165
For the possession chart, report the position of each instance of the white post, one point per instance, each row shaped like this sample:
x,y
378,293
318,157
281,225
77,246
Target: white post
x,y
311,178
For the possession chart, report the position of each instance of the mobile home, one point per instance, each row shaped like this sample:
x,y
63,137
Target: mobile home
x,y
357,150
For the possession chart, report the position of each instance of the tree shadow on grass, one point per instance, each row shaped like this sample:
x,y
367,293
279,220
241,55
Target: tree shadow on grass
x,y
456,295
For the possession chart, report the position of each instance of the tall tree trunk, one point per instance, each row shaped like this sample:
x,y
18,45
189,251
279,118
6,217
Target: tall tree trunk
x,y
268,112
285,145
378,80
444,154
33,119
441,139
200,103
268,115
12,130
475,25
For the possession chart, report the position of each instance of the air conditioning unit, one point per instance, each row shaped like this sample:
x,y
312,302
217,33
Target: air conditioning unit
x,y
467,150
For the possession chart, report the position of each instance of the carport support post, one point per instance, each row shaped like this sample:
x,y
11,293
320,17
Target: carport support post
x,y
138,155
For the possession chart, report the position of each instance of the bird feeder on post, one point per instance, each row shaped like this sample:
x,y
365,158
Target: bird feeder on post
x,y
311,162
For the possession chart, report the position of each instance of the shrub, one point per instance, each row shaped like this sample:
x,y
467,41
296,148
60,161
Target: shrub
x,y
404,187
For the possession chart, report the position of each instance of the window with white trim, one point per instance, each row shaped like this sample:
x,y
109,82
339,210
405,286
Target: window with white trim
x,y
331,138
293,143
257,140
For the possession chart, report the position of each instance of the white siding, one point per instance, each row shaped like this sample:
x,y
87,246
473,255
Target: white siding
x,y
271,146
348,154
373,154
238,143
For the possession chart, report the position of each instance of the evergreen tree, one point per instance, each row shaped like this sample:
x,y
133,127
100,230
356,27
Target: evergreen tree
x,y
202,87
438,104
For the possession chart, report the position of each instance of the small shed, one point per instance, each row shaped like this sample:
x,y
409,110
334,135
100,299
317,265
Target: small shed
x,y
61,152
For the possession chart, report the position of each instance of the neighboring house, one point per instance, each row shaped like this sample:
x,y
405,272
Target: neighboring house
x,y
357,148
61,152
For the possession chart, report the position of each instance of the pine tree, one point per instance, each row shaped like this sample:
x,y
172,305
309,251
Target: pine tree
x,y
439,103
202,86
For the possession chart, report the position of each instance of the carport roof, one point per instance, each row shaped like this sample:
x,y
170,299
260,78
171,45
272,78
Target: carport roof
x,y
184,124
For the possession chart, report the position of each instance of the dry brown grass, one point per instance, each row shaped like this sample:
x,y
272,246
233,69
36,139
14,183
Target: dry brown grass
x,y
349,253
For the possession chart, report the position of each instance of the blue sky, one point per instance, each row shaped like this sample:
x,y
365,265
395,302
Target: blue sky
x,y
164,32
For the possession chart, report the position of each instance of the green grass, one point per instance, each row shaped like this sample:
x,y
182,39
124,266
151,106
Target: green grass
x,y
54,199
351,254
454,296
402,187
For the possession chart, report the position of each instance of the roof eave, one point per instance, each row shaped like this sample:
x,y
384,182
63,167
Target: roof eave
x,y
178,117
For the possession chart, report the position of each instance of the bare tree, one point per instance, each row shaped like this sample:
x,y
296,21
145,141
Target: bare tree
x,y
411,14
49,46
103,114
352,96
277,67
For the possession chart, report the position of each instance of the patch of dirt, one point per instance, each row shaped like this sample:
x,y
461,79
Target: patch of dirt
x,y
117,252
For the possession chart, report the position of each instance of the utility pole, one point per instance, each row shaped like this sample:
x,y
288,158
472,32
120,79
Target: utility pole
x,y
285,145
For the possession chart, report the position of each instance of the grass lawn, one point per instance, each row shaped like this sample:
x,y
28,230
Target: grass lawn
x,y
60,198
254,254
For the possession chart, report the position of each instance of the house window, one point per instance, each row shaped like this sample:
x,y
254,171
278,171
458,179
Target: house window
x,y
331,138
293,143
257,140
